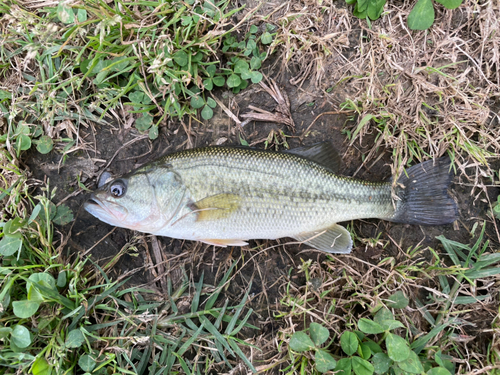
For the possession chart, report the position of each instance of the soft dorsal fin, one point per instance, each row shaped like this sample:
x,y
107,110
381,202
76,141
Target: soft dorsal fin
x,y
216,207
335,239
322,153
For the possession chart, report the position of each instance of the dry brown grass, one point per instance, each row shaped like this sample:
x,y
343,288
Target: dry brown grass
x,y
311,36
419,95
426,92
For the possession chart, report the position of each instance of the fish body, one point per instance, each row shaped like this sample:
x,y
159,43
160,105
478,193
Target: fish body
x,y
228,195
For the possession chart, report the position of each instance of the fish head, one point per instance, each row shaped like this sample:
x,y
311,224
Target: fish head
x,y
144,200
127,202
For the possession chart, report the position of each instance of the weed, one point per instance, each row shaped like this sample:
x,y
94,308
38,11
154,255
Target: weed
x,y
496,208
472,263
373,348
367,9
160,59
57,315
69,66
301,342
66,335
421,16
388,341
276,139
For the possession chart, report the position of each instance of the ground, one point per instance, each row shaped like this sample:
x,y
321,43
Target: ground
x,y
269,264
276,269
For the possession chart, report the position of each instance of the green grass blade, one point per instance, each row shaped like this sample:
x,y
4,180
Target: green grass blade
x,y
482,273
465,300
197,294
487,260
235,331
449,246
418,345
183,364
215,294
191,324
218,337
220,350
242,355
190,341
221,314
427,315
233,321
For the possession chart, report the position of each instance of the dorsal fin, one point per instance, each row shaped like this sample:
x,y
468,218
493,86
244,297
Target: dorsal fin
x,y
322,153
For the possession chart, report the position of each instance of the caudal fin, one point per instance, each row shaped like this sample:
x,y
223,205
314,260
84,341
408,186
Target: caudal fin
x,y
423,195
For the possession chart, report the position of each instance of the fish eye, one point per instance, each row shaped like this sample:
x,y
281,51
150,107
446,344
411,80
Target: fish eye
x,y
117,189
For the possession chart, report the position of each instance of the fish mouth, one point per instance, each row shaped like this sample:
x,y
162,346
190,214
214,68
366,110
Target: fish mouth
x,y
107,212
93,203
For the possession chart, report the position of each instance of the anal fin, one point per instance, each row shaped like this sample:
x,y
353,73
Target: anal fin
x,y
335,239
224,243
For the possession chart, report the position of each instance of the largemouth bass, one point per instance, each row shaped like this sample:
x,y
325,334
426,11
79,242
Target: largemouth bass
x,y
226,196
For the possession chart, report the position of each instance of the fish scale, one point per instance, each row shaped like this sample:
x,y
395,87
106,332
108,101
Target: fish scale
x,y
228,195
267,182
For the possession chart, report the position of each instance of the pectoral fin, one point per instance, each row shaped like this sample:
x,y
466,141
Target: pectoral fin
x,y
225,243
335,239
216,207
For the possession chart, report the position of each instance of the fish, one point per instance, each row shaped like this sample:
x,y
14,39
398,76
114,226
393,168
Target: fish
x,y
226,196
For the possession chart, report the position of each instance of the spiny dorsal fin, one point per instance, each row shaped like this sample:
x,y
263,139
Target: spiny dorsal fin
x,y
322,153
335,239
216,207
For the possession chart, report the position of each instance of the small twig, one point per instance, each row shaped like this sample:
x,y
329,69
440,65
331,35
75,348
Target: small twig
x,y
188,133
159,262
117,151
98,242
486,369
318,116
282,115
226,110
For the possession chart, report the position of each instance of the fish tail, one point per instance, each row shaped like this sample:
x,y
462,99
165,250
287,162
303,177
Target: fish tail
x,y
422,194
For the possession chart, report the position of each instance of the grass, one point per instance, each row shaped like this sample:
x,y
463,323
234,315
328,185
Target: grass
x,y
365,342
66,67
82,64
435,121
422,94
59,317
91,61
